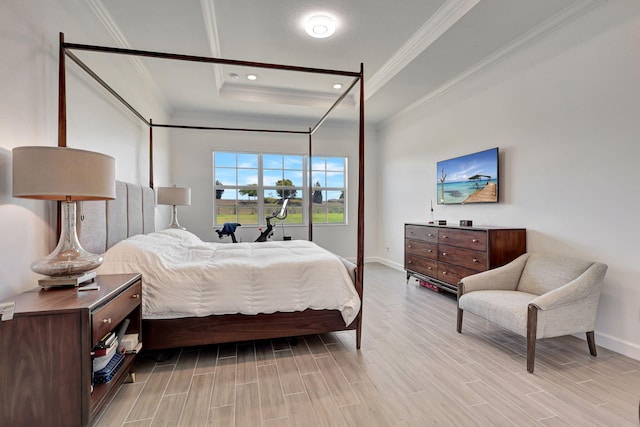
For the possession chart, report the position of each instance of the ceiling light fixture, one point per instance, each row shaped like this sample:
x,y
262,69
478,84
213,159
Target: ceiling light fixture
x,y
252,77
234,76
320,26
337,86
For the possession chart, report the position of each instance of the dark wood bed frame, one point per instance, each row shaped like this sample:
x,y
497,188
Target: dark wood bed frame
x,y
194,331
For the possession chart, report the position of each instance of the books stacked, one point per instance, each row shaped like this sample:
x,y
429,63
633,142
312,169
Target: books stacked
x,y
104,351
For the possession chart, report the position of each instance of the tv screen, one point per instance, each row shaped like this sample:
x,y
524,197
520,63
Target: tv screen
x,y
472,178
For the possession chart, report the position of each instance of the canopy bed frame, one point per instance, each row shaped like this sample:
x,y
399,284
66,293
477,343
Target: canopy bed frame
x,y
139,205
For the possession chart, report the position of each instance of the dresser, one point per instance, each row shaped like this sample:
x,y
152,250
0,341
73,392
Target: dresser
x,y
45,351
442,255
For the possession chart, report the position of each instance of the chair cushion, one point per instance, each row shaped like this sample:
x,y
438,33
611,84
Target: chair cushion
x,y
504,308
545,272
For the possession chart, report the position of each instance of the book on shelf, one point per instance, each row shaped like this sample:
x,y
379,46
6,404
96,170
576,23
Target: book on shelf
x,y
137,349
107,340
107,373
99,362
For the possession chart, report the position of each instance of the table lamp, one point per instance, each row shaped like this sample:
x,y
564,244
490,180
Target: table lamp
x,y
67,175
174,196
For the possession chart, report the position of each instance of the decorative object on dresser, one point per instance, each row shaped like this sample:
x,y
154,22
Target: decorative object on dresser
x,y
46,364
67,175
174,196
442,255
537,296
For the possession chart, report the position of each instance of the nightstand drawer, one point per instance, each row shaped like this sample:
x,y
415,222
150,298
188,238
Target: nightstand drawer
x,y
107,317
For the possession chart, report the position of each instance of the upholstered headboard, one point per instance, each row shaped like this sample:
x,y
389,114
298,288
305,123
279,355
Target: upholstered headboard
x,y
102,224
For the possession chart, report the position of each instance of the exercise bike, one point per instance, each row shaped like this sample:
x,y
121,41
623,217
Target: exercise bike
x,y
229,228
281,215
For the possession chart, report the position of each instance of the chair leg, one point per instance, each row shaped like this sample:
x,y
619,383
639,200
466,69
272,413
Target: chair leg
x,y
532,329
591,340
460,311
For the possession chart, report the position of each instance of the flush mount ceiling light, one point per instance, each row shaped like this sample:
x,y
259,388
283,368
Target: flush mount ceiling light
x,y
234,76
337,86
252,77
320,26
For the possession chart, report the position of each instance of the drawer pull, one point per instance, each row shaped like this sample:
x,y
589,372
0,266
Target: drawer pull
x,y
106,320
429,268
444,254
475,240
409,262
429,250
445,237
430,235
444,273
475,260
135,296
409,246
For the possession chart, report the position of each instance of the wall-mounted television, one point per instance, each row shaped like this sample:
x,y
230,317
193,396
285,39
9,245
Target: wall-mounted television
x,y
472,178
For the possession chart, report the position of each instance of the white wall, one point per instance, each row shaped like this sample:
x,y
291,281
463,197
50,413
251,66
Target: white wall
x,y
565,115
191,166
29,113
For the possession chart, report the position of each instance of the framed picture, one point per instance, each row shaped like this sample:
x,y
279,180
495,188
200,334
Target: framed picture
x,y
472,178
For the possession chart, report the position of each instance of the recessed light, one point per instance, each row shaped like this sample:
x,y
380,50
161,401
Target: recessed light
x,y
337,86
234,76
252,77
320,26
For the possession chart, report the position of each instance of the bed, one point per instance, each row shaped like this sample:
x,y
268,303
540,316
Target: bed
x,y
200,293
107,223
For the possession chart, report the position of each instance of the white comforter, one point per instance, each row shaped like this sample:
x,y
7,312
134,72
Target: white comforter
x,y
183,276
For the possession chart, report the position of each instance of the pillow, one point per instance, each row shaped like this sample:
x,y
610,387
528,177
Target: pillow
x,y
183,235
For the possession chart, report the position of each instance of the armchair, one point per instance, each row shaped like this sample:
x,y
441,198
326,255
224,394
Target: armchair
x,y
536,296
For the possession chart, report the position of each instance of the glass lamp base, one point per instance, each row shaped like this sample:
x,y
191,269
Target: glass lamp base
x,y
68,259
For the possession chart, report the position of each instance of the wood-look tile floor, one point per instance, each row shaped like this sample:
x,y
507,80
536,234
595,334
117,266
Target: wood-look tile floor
x,y
414,369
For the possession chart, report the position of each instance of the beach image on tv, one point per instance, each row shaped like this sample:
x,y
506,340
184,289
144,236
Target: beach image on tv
x,y
469,179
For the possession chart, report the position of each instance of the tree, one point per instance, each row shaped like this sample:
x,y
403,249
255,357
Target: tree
x,y
317,194
219,191
250,192
285,193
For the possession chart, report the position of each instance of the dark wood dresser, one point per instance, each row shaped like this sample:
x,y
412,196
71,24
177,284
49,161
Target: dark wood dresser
x,y
444,254
45,351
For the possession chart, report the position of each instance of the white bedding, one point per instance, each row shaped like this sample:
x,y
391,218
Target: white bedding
x,y
183,276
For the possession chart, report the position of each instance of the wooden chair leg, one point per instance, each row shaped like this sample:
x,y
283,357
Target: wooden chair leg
x,y
591,341
532,329
460,311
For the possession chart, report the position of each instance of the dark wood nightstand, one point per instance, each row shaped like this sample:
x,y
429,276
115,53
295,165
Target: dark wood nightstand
x,y
45,351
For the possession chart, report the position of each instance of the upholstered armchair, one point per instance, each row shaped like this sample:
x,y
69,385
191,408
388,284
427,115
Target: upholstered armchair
x,y
536,296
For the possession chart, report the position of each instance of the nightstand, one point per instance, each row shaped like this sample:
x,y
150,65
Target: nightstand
x,y
45,351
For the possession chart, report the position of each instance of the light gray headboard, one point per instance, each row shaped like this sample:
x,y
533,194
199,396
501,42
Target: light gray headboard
x,y
102,224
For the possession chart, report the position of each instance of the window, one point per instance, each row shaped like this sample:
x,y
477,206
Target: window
x,y
250,186
328,177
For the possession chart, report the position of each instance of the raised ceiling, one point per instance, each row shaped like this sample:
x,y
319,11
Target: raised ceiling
x,y
411,50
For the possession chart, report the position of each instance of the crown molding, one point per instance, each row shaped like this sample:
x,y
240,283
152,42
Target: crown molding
x,y
283,96
567,15
209,16
444,18
114,31
105,18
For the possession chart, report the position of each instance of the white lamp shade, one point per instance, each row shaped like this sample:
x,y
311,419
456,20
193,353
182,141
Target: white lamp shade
x,y
174,196
61,173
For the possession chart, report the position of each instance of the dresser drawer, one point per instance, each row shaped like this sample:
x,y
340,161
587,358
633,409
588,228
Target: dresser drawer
x,y
426,266
475,240
107,317
452,274
475,260
421,248
428,234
